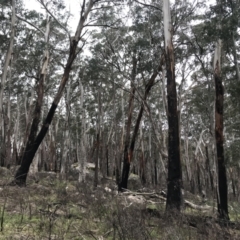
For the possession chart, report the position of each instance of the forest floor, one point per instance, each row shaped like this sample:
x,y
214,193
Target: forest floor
x,y
50,208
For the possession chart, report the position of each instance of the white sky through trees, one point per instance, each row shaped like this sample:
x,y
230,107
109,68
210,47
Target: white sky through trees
x,y
74,6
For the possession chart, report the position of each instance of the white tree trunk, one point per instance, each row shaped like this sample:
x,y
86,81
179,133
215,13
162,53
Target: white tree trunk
x,y
167,24
7,58
3,81
82,159
66,142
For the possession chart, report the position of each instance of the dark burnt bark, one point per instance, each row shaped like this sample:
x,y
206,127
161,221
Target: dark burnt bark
x,y
34,142
174,181
222,175
126,157
128,151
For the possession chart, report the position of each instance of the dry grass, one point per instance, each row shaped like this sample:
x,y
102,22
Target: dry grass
x,y
54,209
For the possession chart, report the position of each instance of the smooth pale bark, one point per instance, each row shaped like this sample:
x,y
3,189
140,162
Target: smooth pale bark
x,y
3,81
83,141
8,142
142,157
119,156
98,137
235,6
15,136
174,181
163,88
52,150
187,159
65,155
235,57
32,128
21,175
28,114
66,141
221,165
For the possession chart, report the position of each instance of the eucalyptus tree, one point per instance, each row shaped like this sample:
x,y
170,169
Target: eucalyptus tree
x,y
6,66
219,125
174,185
117,58
148,63
222,175
218,27
204,121
21,175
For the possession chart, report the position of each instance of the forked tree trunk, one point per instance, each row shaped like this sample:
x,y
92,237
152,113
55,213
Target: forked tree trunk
x,y
222,175
31,149
174,181
126,157
128,151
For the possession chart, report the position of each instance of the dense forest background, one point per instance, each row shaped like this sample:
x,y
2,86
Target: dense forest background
x,y
100,96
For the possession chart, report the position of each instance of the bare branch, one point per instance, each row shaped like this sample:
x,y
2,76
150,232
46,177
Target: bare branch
x,y
83,17
31,24
148,5
63,27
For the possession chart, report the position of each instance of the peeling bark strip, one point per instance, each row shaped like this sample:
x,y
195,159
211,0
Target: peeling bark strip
x,y
29,153
174,181
222,175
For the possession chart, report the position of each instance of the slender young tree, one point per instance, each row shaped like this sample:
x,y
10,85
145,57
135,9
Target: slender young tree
x,y
174,181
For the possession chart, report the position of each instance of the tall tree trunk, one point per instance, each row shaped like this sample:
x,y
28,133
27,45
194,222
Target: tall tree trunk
x,y
126,157
66,141
118,158
40,92
29,153
15,154
222,175
83,141
142,158
98,138
234,7
8,143
128,151
3,81
174,181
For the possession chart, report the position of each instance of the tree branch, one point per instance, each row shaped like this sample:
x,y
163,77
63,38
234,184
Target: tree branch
x,y
64,28
31,24
148,5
